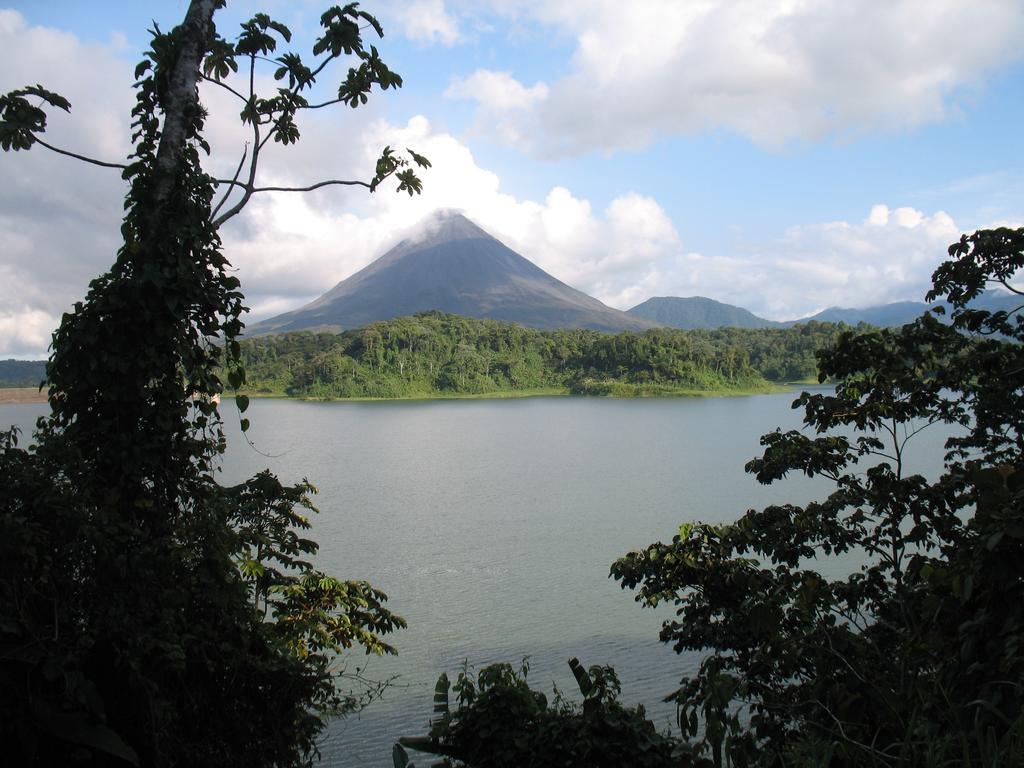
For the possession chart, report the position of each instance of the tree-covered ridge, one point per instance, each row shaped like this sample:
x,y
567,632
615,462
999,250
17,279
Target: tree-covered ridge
x,y
436,353
22,373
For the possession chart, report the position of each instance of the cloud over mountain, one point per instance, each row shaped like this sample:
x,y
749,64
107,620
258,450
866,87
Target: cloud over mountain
x,y
59,219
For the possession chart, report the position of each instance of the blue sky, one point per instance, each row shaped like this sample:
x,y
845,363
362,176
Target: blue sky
x,y
784,156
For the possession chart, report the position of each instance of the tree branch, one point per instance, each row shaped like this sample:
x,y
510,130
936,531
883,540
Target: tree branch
x,y
234,180
257,145
75,155
250,191
317,185
223,85
311,187
320,106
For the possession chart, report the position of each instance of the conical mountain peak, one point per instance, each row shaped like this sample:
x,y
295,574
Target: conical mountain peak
x,y
446,225
450,264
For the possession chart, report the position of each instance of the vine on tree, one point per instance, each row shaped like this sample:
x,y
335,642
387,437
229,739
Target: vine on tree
x,y
148,614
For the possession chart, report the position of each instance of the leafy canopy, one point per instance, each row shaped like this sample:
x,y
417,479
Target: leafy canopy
x,y
917,657
149,614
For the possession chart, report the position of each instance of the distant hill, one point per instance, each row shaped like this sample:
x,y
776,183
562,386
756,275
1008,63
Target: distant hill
x,y
693,312
22,373
902,312
698,312
455,267
883,315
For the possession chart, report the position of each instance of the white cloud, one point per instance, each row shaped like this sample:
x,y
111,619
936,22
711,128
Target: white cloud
x,y
889,256
292,248
497,91
56,227
295,248
499,95
25,331
59,219
427,21
774,71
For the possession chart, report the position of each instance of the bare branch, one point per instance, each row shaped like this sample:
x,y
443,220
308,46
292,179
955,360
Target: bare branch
x,y
75,155
324,104
251,190
223,85
233,182
252,77
320,68
257,145
1006,284
269,135
310,188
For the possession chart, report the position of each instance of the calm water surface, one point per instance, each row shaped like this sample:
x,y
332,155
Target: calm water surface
x,y
492,524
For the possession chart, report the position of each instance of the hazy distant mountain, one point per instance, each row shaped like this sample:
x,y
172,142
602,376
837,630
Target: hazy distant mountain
x,y
884,315
453,266
697,312
901,312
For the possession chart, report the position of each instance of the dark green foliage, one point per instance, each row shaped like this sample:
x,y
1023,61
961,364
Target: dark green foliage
x,y
917,658
437,353
21,120
22,373
500,722
148,614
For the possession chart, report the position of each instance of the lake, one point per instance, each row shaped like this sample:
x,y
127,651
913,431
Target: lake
x,y
491,524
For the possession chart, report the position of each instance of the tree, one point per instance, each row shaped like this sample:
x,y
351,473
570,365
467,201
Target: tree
x,y
918,657
148,614
500,722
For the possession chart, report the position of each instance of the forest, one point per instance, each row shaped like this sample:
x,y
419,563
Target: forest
x,y
436,354
21,373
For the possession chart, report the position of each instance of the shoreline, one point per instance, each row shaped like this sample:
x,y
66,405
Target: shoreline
x,y
32,395
524,393
22,395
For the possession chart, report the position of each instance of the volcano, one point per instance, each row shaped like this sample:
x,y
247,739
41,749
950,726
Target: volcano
x,y
454,266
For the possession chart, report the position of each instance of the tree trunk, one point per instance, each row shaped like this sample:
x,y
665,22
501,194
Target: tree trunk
x,y
181,103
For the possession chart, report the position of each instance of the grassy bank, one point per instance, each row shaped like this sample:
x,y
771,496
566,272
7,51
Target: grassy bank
x,y
16,395
11,395
618,390
496,395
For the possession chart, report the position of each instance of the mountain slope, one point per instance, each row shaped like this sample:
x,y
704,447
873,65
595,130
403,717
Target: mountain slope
x,y
697,312
456,267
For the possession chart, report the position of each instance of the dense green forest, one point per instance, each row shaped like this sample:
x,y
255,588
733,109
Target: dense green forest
x,y
434,353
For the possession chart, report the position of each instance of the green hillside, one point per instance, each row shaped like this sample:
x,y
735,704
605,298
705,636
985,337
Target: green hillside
x,y
435,354
21,373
